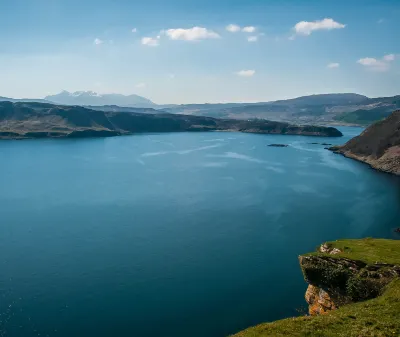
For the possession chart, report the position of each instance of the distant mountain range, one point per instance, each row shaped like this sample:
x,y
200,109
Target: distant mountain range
x,y
8,99
21,120
315,109
342,108
93,98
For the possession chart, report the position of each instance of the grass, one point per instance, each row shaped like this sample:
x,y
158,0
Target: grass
x,y
376,317
367,250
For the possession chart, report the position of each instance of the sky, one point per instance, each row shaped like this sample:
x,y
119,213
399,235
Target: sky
x,y
175,51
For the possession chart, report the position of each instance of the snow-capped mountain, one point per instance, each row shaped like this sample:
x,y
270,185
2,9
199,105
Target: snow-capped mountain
x,y
93,98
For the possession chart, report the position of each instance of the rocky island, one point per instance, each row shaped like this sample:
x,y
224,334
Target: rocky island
x,y
378,145
21,120
353,290
278,145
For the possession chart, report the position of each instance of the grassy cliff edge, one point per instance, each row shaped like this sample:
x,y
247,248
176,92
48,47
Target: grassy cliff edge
x,y
363,279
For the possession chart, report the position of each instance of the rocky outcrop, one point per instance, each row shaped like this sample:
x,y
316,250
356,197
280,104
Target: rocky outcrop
x,y
336,281
378,145
39,120
339,274
320,302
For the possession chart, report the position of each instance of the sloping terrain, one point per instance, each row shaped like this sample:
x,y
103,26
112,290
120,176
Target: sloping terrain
x,y
327,108
362,269
376,110
345,108
378,145
37,120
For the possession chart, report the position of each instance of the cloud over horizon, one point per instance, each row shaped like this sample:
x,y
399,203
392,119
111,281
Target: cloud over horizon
x,y
307,27
249,29
377,64
246,73
333,65
233,28
191,34
252,38
150,41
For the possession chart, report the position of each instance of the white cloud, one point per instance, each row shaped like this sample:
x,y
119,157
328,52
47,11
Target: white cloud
x,y
191,34
307,27
151,42
246,73
98,41
252,38
372,63
171,76
249,29
134,30
233,28
333,65
389,57
377,64
140,85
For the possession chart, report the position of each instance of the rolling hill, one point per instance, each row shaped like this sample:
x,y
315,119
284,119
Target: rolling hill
x,y
39,120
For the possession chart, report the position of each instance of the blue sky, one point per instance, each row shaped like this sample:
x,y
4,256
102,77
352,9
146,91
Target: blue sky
x,y
289,48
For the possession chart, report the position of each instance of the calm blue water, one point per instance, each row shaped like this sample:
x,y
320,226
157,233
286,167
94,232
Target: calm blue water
x,y
173,235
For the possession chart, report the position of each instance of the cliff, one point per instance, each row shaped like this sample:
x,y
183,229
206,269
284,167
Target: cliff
x,y
354,290
21,120
378,145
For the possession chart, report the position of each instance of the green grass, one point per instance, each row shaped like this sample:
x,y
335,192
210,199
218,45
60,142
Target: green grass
x,y
376,317
367,250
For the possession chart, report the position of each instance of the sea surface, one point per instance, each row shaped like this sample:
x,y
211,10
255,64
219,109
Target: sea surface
x,y
173,235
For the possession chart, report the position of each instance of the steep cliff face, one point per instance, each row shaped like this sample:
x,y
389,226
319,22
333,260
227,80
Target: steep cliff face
x,y
378,145
320,302
335,281
354,290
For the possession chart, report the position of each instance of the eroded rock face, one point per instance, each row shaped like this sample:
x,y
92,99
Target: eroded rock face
x,y
336,281
319,301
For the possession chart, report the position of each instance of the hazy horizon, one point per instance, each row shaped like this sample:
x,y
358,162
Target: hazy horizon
x,y
215,102
215,52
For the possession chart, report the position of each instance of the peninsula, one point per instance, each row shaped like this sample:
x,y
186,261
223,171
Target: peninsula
x,y
22,120
378,145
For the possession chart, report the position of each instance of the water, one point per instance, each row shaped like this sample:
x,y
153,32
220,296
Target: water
x,y
173,235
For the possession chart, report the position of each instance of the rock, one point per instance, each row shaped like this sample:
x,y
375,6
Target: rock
x,y
337,281
329,250
326,144
319,301
278,145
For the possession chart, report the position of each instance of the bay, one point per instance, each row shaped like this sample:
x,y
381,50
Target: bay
x,y
180,234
